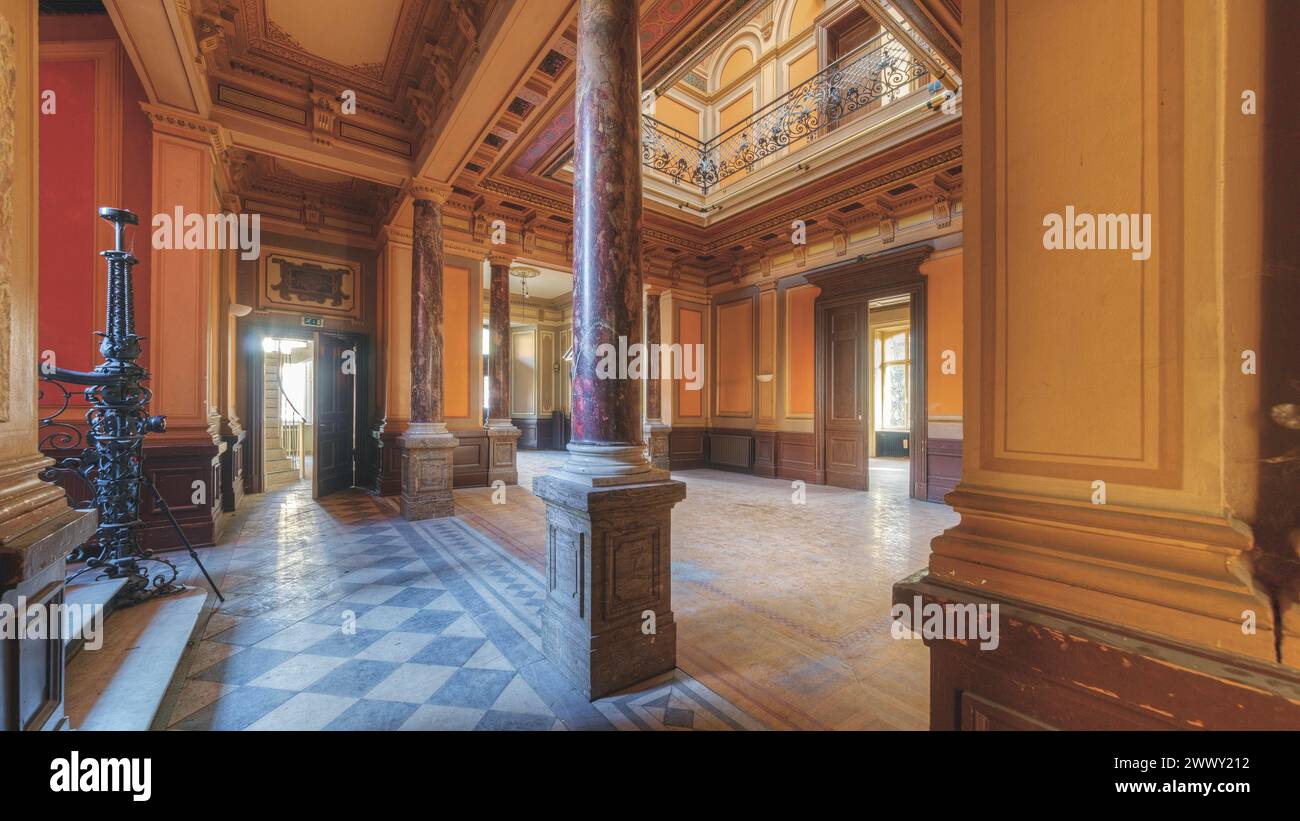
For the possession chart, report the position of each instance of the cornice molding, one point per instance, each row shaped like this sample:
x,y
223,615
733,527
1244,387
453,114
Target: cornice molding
x,y
186,125
396,234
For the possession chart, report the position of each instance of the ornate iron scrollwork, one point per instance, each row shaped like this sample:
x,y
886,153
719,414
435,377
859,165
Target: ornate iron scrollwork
x,y
872,74
110,457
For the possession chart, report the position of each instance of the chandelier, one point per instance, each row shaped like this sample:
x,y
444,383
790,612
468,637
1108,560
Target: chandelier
x,y
523,274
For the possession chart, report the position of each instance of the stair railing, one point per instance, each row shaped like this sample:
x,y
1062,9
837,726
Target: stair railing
x,y
292,430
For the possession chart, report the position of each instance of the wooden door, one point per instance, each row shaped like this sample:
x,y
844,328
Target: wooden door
x,y
334,449
844,438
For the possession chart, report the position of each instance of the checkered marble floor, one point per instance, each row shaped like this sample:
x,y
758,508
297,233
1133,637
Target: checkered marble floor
x,y
342,616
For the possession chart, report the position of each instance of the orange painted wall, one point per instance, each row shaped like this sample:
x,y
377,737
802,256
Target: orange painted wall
x,y
801,69
737,64
456,343
805,11
690,331
943,332
800,346
735,367
681,117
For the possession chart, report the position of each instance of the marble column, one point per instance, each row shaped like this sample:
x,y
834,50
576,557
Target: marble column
x,y
503,436
426,444
656,432
607,621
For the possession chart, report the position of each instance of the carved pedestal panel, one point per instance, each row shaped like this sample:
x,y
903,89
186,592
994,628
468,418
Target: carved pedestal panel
x,y
503,447
427,476
656,444
607,622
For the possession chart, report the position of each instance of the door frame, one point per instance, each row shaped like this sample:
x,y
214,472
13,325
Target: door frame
x,y
858,282
358,344
250,332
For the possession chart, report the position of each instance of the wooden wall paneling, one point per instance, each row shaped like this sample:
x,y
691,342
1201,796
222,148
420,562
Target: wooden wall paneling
x,y
688,448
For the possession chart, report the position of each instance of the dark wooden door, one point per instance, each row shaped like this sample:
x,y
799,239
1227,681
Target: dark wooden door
x,y
334,423
844,439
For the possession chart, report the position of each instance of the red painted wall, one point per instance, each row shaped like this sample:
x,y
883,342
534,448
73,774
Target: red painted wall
x,y
69,252
67,215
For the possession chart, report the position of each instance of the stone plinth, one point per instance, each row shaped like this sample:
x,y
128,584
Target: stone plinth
x,y
503,449
426,471
656,444
607,621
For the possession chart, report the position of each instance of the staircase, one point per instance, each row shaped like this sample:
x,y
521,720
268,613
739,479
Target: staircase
x,y
278,468
129,679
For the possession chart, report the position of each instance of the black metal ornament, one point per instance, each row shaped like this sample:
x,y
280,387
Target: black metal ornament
x,y
111,457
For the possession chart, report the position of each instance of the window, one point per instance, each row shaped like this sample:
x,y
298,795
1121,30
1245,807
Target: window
x,y
893,379
487,380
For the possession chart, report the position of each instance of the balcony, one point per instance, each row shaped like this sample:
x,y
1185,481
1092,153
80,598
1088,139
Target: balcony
x,y
877,74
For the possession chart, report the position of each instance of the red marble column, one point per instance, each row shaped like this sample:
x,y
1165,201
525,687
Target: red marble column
x,y
607,231
609,621
499,340
426,445
653,387
426,309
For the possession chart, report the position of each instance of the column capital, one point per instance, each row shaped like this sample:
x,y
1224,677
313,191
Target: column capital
x,y
423,189
497,257
179,123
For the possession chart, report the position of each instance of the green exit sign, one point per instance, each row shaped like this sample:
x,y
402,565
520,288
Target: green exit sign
x,y
314,321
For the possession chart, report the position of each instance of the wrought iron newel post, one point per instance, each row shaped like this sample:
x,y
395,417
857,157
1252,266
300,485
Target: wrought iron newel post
x,y
117,421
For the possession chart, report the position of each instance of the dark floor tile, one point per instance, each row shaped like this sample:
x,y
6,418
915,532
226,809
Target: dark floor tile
x,y
248,632
353,678
448,651
345,645
334,613
244,666
414,597
373,715
472,688
428,621
235,710
501,720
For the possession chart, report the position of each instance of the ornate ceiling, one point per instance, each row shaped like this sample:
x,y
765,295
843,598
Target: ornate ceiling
x,y
479,93
371,81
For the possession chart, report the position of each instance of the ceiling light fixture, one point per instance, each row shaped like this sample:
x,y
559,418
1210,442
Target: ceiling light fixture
x,y
524,274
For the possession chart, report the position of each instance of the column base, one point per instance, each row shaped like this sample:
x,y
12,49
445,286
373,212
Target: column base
x,y
427,450
607,622
1050,670
503,451
656,444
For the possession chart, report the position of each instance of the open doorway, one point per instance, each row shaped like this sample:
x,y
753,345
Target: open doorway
x,y
287,412
889,386
870,411
308,412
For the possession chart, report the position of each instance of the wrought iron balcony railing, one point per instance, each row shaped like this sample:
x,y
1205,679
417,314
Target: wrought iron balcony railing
x,y
872,75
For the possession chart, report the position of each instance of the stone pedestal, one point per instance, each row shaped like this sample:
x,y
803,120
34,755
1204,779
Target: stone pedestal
x,y
426,471
503,448
656,444
607,621
32,568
